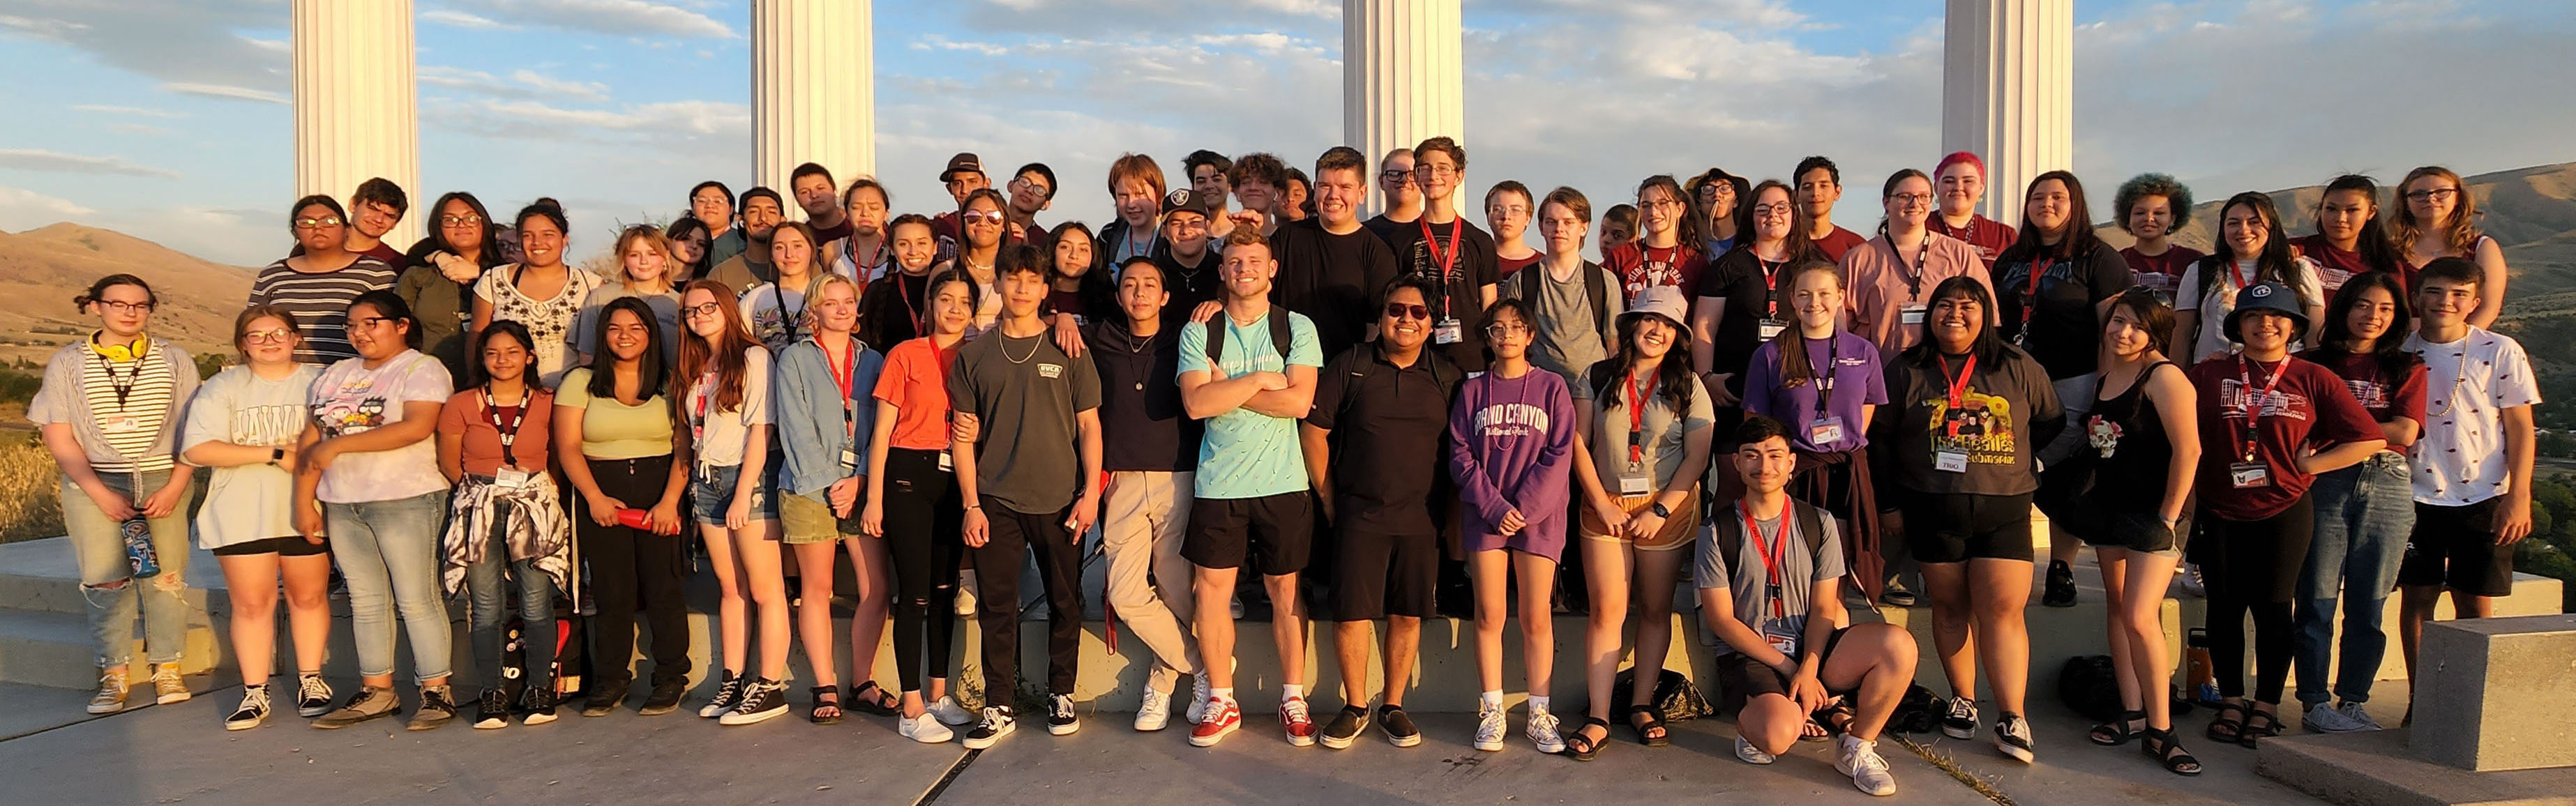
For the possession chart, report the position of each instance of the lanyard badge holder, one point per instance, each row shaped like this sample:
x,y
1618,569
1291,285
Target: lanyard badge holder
x,y
1636,482
845,377
1448,330
1771,324
1954,460
2030,301
509,478
1912,313
1826,429
2251,472
1775,629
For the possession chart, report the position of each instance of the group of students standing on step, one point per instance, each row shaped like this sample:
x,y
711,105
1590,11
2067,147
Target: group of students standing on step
x,y
1288,390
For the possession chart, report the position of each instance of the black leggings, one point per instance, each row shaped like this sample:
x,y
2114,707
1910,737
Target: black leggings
x,y
2253,567
632,568
924,524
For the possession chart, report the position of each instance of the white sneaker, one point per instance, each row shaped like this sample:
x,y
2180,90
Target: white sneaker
x,y
1154,712
1542,732
925,729
1198,697
949,713
2323,718
1749,754
1861,761
2354,712
1490,727
965,599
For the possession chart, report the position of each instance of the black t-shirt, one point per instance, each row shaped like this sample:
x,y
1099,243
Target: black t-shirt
x,y
1469,272
1386,228
1389,427
1142,424
1189,286
2055,321
890,310
1332,279
1740,278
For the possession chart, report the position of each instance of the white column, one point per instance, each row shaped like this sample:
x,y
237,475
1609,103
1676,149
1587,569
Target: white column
x,y
356,105
813,89
2008,93
1402,76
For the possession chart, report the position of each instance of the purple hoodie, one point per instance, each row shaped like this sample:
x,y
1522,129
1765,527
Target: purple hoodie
x,y
1512,447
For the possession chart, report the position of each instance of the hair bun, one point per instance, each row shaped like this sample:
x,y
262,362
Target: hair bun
x,y
547,202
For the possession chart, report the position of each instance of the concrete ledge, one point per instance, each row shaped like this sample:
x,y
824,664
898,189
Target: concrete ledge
x,y
2376,769
2495,693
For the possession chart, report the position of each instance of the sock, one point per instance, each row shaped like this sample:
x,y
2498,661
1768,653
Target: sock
x,y
252,687
1290,691
1491,699
1225,693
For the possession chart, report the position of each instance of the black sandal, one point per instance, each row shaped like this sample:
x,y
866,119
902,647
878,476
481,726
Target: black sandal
x,y
1829,722
2234,727
1653,722
2271,726
827,705
2162,746
1582,747
2118,732
883,703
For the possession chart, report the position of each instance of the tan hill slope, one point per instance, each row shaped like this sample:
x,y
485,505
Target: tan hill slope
x,y
41,270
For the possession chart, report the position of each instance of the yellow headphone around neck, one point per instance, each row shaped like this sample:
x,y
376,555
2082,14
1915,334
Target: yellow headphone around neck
x,y
120,353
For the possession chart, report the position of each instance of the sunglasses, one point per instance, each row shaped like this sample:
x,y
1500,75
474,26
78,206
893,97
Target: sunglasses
x,y
460,220
981,217
317,223
1400,310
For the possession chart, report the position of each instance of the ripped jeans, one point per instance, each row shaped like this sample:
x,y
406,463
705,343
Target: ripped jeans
x,y
106,578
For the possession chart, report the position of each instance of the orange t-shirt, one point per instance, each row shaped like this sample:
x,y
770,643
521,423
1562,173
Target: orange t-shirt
x,y
915,380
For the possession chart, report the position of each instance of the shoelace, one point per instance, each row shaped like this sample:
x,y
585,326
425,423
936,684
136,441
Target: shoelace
x,y
257,696
1490,724
312,688
1865,756
1296,710
1543,721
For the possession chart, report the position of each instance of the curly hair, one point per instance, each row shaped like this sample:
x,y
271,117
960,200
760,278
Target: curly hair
x,y
2151,184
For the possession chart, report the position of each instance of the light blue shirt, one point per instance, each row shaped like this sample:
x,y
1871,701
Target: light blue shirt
x,y
1248,454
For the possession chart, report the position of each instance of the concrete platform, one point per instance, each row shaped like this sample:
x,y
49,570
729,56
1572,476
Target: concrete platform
x,y
2377,769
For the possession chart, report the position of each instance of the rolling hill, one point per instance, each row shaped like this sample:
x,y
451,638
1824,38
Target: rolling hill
x,y
43,269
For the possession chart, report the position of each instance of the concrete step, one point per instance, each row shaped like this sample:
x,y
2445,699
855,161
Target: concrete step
x,y
41,575
45,648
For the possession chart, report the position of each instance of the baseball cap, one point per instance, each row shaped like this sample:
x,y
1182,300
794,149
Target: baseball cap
x,y
1187,200
965,161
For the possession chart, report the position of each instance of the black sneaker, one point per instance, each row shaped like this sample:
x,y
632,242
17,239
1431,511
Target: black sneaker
x,y
492,710
312,696
762,701
1345,727
1897,595
437,707
1060,719
665,697
1961,720
997,724
605,696
538,705
728,695
2061,586
1399,728
253,710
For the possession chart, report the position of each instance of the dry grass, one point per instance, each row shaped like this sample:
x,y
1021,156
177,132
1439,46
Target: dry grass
x,y
29,509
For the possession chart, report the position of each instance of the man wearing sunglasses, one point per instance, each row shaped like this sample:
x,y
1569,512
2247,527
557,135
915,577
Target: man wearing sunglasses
x,y
1031,191
1375,455
1329,265
1403,199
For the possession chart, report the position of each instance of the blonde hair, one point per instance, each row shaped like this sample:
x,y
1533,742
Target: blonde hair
x,y
650,236
2460,232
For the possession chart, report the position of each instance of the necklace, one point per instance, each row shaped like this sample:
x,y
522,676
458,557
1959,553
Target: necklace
x,y
1035,342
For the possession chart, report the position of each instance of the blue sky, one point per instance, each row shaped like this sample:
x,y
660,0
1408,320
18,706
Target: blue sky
x,y
166,118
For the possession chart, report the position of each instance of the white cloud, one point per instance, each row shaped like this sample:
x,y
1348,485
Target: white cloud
x,y
579,89
458,19
521,84
227,91
669,124
186,41
37,159
22,210
136,111
609,17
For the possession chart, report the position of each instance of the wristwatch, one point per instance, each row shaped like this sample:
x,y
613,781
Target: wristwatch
x,y
276,455
1660,511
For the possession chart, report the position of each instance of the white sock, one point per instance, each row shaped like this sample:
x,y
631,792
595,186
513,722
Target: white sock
x,y
1538,704
1491,699
1290,691
1225,693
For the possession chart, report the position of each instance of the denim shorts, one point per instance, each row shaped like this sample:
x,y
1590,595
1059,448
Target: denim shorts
x,y
711,491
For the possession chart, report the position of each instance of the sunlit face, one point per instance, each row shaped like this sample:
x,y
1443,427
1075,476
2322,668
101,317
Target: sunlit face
x,y
2048,206
1817,298
1718,200
835,307
2431,199
1208,180
1258,195
628,335
268,341
1187,230
1960,187
375,218
712,207
1561,229
376,334
1141,293
965,183
643,261
2151,217
1395,179
122,310
1658,210
1508,335
983,222
504,359
1817,192
318,229
952,305
791,251
2341,215
2265,331
1772,212
1508,215
1136,201
703,312
1956,319
2124,334
1247,270
1766,465
761,215
915,247
2371,313
1437,174
541,241
2244,230
867,211
814,193
1073,256
1654,336
459,227
1030,192
1911,202
2444,302
1339,194
1405,322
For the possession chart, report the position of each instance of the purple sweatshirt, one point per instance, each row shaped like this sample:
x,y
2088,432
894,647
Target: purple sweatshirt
x,y
1512,447
1857,380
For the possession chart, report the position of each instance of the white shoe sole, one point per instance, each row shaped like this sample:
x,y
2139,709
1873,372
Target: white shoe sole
x,y
1150,726
1063,730
1495,746
1416,739
1331,743
939,738
1210,741
745,718
988,741
1293,741
2022,755
491,724
246,725
111,708
539,719
1551,749
173,699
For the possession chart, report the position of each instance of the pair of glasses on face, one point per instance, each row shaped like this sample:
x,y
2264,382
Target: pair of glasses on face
x,y
705,310
2433,194
981,217
460,221
1499,330
1434,170
1400,310
113,306
1911,199
274,336
1395,174
317,223
1772,210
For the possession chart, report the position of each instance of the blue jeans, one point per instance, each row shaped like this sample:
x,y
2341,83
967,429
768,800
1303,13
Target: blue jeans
x,y
2364,513
389,554
107,583
486,585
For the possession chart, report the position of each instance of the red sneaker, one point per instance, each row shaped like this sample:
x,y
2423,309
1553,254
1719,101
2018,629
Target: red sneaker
x,y
1219,719
1300,726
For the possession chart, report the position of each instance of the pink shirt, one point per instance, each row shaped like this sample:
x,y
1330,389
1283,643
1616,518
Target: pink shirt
x,y
1880,288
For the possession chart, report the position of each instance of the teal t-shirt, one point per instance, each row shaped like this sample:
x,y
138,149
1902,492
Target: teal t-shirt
x,y
1247,454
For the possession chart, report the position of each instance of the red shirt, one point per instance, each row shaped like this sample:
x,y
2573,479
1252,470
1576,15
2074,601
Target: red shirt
x,y
2385,398
1835,243
2334,266
2160,272
1639,267
464,415
2310,405
1987,235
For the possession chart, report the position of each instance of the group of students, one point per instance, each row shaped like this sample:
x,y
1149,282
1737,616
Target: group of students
x,y
1289,390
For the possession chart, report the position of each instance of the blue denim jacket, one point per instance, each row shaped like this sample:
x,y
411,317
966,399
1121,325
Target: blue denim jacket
x,y
806,405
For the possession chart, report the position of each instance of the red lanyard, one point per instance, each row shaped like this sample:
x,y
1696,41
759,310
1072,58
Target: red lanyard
x,y
1958,388
851,251
1770,286
2037,270
843,375
1770,552
1636,422
2251,407
2237,270
1448,262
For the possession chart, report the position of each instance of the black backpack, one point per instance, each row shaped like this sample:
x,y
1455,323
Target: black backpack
x,y
1594,288
1281,337
2090,685
1730,533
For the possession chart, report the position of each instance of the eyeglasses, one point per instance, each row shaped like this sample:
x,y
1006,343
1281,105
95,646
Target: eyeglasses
x,y
275,336
1395,174
1911,199
2443,194
124,307
460,221
371,321
1435,170
1769,210
1660,203
1501,329
705,310
317,223
1399,310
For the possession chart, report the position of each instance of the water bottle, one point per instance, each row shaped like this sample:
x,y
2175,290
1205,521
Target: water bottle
x,y
2200,673
139,554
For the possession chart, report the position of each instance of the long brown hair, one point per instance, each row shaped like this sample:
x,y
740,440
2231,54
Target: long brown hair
x,y
2460,233
1795,371
727,356
1793,246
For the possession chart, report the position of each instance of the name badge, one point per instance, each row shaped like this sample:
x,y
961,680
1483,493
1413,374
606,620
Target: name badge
x,y
1910,314
945,463
1787,644
1825,431
1449,331
1635,485
1772,327
509,478
120,425
1950,461
850,459
2249,474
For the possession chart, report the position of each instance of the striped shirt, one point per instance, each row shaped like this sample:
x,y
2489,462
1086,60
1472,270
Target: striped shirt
x,y
133,419
320,303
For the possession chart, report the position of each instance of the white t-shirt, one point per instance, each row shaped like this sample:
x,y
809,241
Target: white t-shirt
x,y
720,437
2218,299
250,502
2460,458
349,398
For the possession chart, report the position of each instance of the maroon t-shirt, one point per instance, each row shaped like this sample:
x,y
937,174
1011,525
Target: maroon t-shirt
x,y
1640,267
2385,398
2334,266
1987,235
2161,272
1841,240
1508,265
2309,406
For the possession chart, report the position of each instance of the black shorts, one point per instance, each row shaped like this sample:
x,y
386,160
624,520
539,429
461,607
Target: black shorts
x,y
2456,548
2142,532
280,546
1376,574
1957,527
1277,532
1740,678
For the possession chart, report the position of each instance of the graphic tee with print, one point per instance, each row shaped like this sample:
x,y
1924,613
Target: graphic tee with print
x,y
248,502
348,399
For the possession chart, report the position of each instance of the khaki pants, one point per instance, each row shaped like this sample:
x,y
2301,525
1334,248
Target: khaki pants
x,y
1149,583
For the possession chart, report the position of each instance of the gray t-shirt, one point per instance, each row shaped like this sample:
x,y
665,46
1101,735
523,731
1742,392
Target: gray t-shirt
x,y
1663,427
1025,393
1799,571
1570,335
584,334
248,502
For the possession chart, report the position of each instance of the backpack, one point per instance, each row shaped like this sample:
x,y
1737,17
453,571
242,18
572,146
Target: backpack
x,y
1730,534
1595,289
1281,336
2090,685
